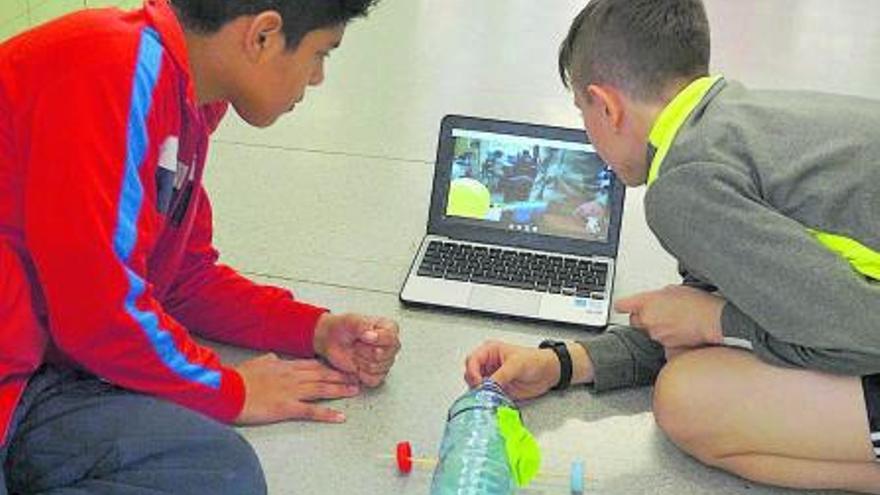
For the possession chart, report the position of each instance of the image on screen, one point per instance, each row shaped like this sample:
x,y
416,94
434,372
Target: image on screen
x,y
529,185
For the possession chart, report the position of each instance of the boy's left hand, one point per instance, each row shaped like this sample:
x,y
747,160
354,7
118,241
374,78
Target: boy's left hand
x,y
676,316
363,346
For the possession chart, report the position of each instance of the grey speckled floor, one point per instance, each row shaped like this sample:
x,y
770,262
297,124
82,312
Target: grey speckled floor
x,y
332,201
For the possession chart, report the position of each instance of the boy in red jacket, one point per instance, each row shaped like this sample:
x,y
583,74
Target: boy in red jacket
x,y
106,259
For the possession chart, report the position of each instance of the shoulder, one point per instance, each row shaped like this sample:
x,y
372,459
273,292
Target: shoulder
x,y
103,48
701,179
88,43
79,40
695,189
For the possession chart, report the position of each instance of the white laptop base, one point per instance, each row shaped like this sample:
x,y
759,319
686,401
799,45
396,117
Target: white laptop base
x,y
584,301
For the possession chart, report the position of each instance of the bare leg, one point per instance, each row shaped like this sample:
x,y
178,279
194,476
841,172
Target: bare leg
x,y
784,427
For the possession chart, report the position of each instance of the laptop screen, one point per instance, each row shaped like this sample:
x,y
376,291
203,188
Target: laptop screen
x,y
529,185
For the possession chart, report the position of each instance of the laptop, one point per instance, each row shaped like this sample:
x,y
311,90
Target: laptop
x,y
524,222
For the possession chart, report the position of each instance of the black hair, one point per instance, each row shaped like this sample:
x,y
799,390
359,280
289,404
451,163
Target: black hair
x,y
299,16
640,46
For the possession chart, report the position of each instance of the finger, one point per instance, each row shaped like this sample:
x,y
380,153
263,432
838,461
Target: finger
x,y
377,357
372,380
481,362
632,304
379,335
505,375
322,390
304,364
314,365
363,328
376,351
489,357
375,365
314,412
380,367
326,376
472,375
376,354
635,320
388,325
312,371
370,352
263,358
382,337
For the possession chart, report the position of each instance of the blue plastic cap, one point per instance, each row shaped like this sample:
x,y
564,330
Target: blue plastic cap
x,y
577,478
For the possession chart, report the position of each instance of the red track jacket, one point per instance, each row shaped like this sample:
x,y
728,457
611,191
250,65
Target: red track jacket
x,y
106,260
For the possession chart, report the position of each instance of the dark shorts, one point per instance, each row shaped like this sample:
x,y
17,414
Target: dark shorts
x,y
871,387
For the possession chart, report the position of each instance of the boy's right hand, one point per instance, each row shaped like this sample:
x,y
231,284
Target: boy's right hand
x,y
279,390
523,372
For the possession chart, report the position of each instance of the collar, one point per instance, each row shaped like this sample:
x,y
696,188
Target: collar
x,y
162,17
672,118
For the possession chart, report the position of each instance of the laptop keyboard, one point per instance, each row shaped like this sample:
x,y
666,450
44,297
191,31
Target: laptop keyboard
x,y
576,277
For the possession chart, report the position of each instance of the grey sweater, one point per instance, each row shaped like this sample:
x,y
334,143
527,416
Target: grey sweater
x,y
749,174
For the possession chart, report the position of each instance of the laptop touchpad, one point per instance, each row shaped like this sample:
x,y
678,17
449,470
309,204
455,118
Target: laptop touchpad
x,y
505,301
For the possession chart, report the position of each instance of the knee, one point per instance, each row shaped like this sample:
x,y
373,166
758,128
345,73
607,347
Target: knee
x,y
673,409
241,472
214,459
685,406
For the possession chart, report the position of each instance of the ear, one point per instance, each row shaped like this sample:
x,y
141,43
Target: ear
x,y
610,102
264,35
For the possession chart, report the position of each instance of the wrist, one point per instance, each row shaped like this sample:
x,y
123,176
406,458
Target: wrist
x,y
582,366
550,365
319,341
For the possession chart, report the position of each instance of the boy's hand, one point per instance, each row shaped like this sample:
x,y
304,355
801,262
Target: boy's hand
x,y
361,345
278,390
523,372
676,316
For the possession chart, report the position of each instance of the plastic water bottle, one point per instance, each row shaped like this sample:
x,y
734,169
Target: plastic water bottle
x,y
473,457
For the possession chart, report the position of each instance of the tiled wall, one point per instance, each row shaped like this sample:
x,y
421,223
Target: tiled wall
x,y
18,15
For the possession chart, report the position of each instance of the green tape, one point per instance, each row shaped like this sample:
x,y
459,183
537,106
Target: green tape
x,y
523,453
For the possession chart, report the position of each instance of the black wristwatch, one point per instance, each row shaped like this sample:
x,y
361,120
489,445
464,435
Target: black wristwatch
x,y
565,366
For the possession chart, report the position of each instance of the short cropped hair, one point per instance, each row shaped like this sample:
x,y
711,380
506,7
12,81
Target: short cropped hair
x,y
299,16
639,46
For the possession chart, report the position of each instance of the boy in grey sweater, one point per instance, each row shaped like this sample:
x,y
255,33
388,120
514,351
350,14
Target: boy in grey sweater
x,y
770,203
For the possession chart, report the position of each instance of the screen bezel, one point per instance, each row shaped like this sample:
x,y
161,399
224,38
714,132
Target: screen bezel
x,y
438,223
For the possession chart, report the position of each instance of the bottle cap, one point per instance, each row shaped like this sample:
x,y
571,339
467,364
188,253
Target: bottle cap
x,y
577,477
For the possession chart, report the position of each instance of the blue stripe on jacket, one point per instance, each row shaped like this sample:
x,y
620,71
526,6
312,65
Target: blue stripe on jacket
x,y
149,64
